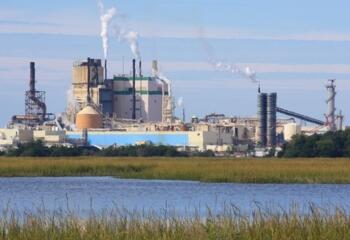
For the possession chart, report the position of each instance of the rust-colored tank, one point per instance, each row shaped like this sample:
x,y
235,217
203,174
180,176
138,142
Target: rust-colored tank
x,y
88,118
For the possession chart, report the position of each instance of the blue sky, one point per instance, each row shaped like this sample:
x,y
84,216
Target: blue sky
x,y
294,46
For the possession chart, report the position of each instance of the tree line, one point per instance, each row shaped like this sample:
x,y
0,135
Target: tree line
x,y
330,144
39,149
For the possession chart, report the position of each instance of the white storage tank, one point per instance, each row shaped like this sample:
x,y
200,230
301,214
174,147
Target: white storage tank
x,y
291,129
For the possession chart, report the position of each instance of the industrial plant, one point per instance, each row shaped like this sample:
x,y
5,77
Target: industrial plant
x,y
136,109
130,109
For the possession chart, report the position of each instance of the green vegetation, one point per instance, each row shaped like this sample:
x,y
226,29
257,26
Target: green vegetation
x,y
191,168
331,144
38,149
231,224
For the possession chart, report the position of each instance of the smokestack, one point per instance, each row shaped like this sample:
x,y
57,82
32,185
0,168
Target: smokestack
x,y
154,68
271,119
88,82
32,77
262,119
140,68
183,115
133,89
105,70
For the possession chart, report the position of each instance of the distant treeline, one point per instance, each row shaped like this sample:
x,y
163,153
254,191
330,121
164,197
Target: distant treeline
x,y
38,149
330,144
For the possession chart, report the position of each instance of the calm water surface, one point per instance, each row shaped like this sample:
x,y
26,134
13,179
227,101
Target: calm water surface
x,y
81,194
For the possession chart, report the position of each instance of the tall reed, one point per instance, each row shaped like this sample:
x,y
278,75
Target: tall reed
x,y
231,224
201,169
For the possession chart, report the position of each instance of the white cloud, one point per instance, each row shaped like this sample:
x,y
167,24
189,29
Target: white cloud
x,y
68,22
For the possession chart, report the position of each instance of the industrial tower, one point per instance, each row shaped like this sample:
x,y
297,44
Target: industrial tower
x,y
330,116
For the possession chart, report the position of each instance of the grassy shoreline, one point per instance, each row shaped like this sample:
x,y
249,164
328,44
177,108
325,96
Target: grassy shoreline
x,y
198,169
231,224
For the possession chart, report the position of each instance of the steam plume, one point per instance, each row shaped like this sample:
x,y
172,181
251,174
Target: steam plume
x,y
161,78
180,102
105,18
246,72
72,107
131,37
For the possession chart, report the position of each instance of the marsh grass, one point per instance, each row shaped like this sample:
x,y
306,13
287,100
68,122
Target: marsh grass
x,y
231,224
324,170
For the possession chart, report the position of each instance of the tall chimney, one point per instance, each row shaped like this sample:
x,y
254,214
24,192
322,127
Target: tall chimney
x,y
32,77
88,99
105,70
133,89
154,68
140,68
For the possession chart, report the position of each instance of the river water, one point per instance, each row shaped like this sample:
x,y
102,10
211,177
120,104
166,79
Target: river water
x,y
82,194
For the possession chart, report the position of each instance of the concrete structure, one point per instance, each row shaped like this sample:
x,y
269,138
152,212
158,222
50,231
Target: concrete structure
x,y
83,72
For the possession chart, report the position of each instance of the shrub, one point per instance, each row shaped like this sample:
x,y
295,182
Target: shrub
x,y
331,144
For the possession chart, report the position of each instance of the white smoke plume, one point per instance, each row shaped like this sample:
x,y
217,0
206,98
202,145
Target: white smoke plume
x,y
131,37
180,102
105,18
246,72
161,78
164,78
72,107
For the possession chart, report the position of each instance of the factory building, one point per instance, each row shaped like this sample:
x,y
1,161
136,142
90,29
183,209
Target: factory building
x,y
10,137
151,96
13,136
87,74
136,97
136,109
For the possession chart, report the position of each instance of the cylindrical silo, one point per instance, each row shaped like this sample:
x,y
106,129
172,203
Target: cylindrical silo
x,y
291,129
88,118
271,119
262,119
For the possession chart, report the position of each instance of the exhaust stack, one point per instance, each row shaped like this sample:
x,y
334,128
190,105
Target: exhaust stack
x,y
105,70
133,89
88,99
32,78
140,68
155,68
